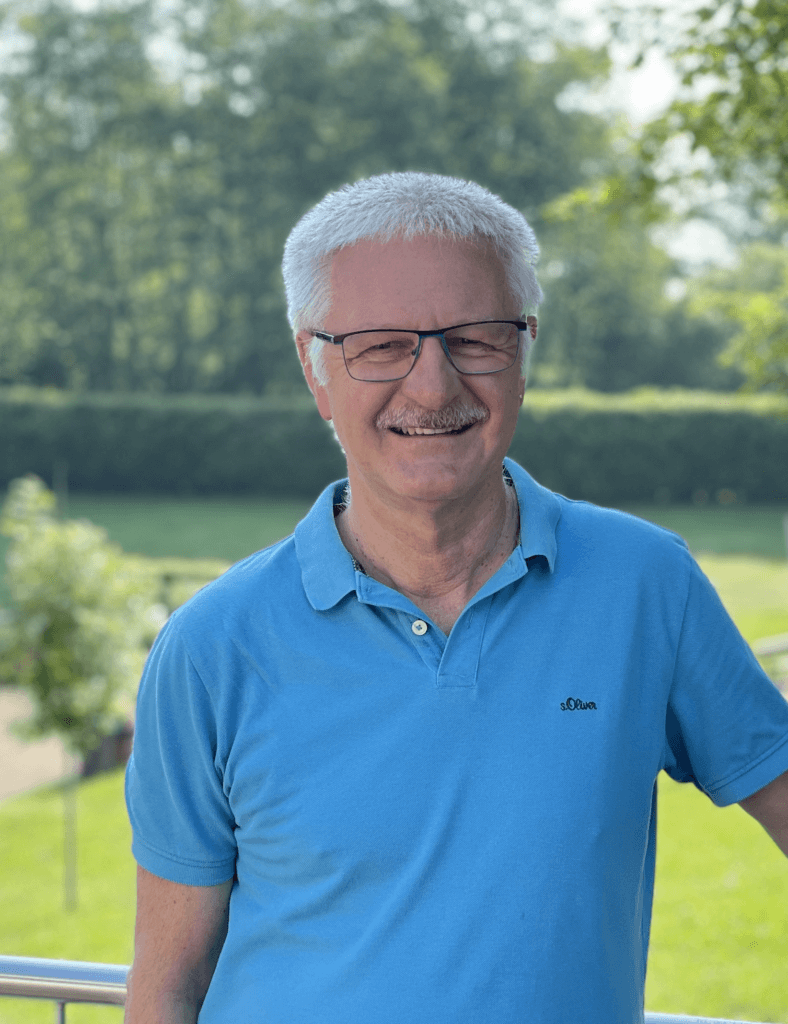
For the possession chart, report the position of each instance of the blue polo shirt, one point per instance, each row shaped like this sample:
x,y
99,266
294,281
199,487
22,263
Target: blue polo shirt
x,y
449,830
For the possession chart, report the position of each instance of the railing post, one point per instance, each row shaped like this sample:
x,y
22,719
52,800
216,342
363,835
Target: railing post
x,y
60,1013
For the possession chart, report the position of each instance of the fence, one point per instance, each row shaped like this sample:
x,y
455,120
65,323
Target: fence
x,y
73,981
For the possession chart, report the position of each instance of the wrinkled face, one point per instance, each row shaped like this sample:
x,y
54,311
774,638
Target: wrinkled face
x,y
420,284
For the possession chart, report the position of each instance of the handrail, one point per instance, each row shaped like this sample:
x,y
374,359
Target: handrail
x,y
63,981
670,1018
76,981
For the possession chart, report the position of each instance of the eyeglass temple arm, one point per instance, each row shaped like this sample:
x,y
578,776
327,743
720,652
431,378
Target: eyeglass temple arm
x,y
330,338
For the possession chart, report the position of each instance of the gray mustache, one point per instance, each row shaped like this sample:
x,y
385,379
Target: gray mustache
x,y
453,417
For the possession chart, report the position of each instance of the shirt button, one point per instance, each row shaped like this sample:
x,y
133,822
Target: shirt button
x,y
419,627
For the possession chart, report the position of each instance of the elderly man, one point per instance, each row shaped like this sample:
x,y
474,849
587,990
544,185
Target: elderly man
x,y
400,768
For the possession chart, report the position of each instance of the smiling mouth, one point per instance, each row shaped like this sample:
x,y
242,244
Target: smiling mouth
x,y
427,431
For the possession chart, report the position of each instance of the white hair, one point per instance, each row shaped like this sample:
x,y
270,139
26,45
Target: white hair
x,y
404,205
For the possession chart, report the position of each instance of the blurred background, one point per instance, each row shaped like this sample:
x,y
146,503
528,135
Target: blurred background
x,y
154,157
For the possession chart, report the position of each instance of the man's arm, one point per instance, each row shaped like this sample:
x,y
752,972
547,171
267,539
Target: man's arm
x,y
769,806
179,934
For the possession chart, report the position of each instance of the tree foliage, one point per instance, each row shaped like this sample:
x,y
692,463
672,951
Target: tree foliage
x,y
75,634
732,114
144,214
754,298
733,61
147,219
609,324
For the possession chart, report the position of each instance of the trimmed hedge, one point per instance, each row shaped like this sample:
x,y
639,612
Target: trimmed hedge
x,y
651,445
167,444
641,446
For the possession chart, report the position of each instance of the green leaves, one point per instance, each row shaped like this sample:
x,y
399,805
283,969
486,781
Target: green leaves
x,y
755,300
729,127
75,634
733,59
144,214
144,217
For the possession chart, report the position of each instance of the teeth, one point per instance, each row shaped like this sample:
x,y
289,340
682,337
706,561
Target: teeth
x,y
426,430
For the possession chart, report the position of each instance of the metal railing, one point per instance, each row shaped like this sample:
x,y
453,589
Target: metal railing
x,y
62,982
75,981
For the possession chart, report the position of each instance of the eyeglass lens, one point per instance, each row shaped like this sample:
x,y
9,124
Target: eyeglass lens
x,y
388,355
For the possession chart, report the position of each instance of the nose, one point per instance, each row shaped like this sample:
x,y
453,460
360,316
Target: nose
x,y
433,381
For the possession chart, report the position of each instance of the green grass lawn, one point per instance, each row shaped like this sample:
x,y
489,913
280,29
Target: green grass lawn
x,y
233,527
720,927
719,933
228,528
724,530
33,921
225,528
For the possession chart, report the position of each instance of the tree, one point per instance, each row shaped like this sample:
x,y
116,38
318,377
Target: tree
x,y
733,61
733,115
144,217
754,298
75,635
145,220
609,323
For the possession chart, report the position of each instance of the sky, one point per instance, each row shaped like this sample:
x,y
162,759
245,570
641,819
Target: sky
x,y
641,95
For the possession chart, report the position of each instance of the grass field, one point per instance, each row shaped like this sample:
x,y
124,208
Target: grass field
x,y
228,528
719,933
733,530
33,921
233,527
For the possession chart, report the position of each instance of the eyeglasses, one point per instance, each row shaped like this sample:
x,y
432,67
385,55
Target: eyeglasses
x,y
489,346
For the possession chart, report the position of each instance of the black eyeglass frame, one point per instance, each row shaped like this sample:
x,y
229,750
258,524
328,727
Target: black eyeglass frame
x,y
338,339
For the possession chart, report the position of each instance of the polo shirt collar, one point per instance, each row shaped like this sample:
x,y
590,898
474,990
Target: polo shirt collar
x,y
540,511
326,566
327,570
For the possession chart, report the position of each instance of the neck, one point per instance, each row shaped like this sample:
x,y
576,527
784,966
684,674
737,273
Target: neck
x,y
437,555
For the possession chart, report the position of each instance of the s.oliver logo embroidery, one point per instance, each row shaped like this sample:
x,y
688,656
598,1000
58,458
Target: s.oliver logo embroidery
x,y
574,704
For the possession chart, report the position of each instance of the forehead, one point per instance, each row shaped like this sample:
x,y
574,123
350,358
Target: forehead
x,y
428,280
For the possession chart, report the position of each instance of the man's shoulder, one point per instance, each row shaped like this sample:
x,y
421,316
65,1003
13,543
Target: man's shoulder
x,y
620,537
603,520
281,579
269,575
582,526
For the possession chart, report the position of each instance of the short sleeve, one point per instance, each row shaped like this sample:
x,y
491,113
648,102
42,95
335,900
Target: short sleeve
x,y
727,723
182,825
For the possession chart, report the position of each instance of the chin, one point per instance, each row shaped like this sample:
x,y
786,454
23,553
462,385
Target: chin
x,y
431,486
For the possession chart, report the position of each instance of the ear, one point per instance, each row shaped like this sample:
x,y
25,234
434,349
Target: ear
x,y
319,392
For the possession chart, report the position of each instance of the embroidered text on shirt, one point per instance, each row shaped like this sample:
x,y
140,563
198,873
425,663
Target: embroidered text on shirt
x,y
573,704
